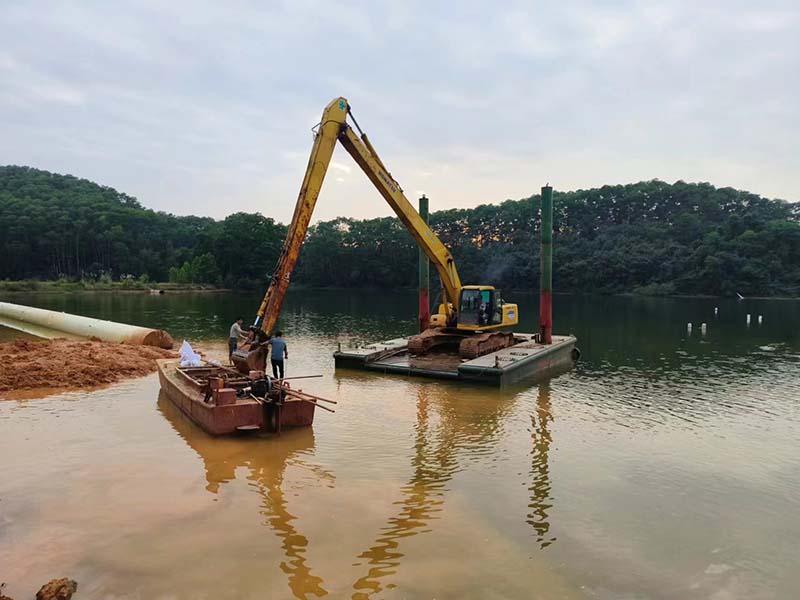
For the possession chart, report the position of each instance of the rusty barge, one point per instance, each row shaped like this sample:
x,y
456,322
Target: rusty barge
x,y
221,401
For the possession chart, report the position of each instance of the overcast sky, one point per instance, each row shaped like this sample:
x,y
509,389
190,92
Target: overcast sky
x,y
206,108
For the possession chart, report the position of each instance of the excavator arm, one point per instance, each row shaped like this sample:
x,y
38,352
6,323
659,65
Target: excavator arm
x,y
366,158
334,127
324,142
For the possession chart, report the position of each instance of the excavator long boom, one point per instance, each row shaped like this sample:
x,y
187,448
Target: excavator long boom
x,y
334,127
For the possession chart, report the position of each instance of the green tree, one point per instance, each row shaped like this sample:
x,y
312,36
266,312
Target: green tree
x,y
648,237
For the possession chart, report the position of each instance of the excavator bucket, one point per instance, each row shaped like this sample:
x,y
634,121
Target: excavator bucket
x,y
250,360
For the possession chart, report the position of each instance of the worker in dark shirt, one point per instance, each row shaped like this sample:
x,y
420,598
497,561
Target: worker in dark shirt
x,y
279,352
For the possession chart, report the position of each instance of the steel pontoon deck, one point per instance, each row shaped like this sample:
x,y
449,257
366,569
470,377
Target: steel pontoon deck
x,y
526,360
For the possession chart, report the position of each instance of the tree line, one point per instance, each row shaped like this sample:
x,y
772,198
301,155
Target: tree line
x,y
649,237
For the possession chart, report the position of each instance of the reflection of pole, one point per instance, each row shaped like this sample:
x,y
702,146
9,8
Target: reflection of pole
x,y
541,501
546,269
424,276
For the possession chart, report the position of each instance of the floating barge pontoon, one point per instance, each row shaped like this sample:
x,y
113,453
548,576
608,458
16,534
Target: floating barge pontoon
x,y
526,360
212,398
529,356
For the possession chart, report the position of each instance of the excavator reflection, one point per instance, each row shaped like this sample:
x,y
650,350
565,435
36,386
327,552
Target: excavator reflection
x,y
423,495
445,438
222,456
436,462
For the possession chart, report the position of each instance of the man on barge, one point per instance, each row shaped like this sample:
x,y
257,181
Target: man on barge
x,y
235,336
279,352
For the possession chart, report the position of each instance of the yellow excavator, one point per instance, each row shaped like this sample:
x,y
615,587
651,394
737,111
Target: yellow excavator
x,y
470,316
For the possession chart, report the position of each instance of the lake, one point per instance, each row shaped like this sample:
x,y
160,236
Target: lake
x,y
666,465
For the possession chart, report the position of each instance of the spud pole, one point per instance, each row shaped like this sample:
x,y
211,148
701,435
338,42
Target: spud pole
x,y
546,269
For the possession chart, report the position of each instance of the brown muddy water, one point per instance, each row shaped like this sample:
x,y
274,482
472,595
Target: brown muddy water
x,y
665,466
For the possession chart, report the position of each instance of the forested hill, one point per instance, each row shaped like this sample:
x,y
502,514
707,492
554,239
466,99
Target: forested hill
x,y
59,226
649,237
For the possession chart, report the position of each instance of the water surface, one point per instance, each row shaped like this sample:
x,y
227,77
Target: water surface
x,y
665,466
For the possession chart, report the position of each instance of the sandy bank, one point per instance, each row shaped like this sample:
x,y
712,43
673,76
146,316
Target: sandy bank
x,y
60,363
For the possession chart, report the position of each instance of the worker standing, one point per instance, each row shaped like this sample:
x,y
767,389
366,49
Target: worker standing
x,y
235,336
279,352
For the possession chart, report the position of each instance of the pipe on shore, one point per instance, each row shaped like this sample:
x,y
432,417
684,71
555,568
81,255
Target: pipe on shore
x,y
49,324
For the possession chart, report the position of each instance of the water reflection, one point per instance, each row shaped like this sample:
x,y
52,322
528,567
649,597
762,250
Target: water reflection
x,y
541,500
266,461
453,427
677,472
452,424
422,499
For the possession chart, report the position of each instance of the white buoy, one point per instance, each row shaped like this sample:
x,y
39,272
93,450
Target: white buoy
x,y
760,319
703,329
748,318
688,328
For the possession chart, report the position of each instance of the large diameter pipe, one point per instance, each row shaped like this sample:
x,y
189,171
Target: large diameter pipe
x,y
546,269
49,323
424,276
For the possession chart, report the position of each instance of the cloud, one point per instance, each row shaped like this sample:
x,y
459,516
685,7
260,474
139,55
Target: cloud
x,y
341,167
208,108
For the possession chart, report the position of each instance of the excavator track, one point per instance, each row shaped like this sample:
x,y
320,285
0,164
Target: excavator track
x,y
431,338
484,343
469,345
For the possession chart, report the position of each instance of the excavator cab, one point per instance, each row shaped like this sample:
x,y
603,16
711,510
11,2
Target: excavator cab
x,y
477,307
477,325
481,307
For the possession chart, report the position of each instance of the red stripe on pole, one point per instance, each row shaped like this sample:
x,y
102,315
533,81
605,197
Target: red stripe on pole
x,y
424,309
546,317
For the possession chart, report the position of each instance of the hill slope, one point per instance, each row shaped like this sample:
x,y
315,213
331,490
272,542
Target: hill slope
x,y
650,237
60,226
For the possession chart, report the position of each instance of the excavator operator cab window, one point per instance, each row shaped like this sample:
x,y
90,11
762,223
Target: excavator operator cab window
x,y
479,307
497,307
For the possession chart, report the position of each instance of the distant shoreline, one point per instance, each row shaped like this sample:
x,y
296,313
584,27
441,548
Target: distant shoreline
x,y
62,287
127,287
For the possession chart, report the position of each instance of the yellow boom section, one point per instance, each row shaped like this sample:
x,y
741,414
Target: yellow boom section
x,y
332,119
367,159
332,127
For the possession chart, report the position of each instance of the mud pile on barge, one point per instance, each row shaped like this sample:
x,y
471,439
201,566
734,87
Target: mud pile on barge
x,y
60,363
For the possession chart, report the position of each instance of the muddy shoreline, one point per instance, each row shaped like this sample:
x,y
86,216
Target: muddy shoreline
x,y
60,365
